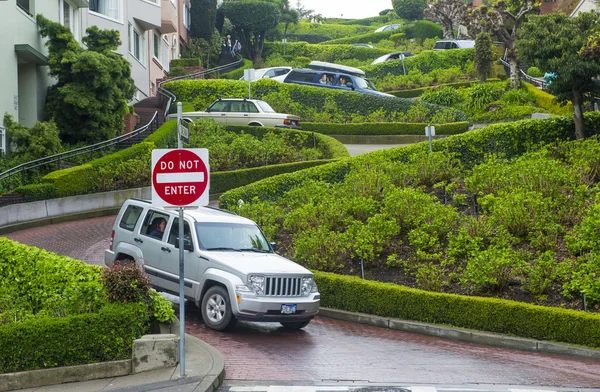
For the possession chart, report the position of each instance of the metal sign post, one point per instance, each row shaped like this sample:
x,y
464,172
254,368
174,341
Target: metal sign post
x,y
249,75
430,132
179,114
180,178
402,58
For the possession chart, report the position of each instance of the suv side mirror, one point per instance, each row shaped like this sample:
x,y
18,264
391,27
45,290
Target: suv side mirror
x,y
274,246
350,84
187,244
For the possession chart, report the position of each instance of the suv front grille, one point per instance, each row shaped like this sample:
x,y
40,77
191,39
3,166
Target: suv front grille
x,y
282,287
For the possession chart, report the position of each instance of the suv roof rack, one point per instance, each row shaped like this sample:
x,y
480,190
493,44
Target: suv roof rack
x,y
331,67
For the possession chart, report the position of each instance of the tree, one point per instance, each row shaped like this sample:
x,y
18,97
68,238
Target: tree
x,y
503,19
409,9
288,15
93,86
203,14
39,141
484,56
250,20
446,13
553,42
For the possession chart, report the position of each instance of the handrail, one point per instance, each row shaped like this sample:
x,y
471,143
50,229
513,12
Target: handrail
x,y
76,152
538,82
172,97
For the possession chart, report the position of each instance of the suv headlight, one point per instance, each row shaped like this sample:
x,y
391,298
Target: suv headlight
x,y
257,284
308,286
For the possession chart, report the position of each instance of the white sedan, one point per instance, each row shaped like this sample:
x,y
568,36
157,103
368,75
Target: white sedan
x,y
254,112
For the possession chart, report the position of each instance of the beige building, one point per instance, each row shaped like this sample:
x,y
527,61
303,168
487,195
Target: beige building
x,y
151,33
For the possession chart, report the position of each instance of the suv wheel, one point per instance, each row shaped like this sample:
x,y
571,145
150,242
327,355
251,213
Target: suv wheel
x,y
295,325
216,309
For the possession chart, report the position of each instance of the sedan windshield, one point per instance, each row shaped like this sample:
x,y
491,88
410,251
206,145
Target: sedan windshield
x,y
266,107
235,237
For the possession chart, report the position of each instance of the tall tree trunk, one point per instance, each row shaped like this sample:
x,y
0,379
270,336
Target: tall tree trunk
x,y
578,115
513,62
447,28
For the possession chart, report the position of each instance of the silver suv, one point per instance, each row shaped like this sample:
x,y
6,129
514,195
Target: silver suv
x,y
231,270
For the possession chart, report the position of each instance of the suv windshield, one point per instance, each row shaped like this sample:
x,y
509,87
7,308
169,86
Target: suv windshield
x,y
231,237
364,84
265,107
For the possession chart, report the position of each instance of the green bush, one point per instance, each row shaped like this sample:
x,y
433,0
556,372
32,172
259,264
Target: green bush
x,y
177,71
309,102
239,72
423,29
309,38
446,96
535,72
369,38
384,128
324,52
548,101
425,62
486,314
189,62
47,342
420,91
33,192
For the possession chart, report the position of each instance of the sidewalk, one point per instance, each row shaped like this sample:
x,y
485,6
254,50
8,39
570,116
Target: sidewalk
x,y
204,368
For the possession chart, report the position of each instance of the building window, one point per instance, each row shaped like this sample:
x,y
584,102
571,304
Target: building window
x,y
26,5
109,8
69,17
186,15
136,44
156,46
165,53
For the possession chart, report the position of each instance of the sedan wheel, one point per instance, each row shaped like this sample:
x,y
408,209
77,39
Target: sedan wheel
x,y
216,309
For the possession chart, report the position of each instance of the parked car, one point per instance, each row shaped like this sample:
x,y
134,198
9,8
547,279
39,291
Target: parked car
x,y
334,76
234,111
388,28
364,45
231,270
269,72
391,56
453,44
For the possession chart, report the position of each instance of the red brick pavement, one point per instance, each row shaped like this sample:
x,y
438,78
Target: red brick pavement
x,y
332,350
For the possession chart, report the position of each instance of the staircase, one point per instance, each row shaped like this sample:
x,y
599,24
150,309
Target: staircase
x,y
146,109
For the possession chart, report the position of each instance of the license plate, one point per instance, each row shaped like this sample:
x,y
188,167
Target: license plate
x,y
288,309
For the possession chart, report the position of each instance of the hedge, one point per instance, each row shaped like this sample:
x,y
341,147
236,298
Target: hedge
x,y
46,342
417,92
384,128
324,52
204,92
33,192
486,314
86,178
510,139
548,101
309,38
238,72
425,62
362,38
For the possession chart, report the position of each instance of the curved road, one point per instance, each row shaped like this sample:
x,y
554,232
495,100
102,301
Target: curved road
x,y
331,350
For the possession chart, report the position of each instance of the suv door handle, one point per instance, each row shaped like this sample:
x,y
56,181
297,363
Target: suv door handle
x,y
138,240
164,248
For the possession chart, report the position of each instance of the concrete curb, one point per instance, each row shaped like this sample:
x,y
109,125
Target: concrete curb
x,y
461,334
42,377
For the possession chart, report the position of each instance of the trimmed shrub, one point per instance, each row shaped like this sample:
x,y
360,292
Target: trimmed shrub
x,y
189,62
486,314
239,72
535,72
177,71
306,100
369,38
513,139
423,29
384,128
425,62
324,52
548,101
309,38
66,341
420,91
33,192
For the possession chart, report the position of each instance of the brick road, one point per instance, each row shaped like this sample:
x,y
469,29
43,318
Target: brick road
x,y
331,350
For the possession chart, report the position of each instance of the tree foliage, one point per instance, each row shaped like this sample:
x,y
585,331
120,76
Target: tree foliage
x,y
553,43
94,85
250,20
446,13
39,141
410,9
503,19
484,56
203,18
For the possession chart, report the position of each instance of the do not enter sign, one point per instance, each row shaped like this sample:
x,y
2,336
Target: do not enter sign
x,y
180,177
